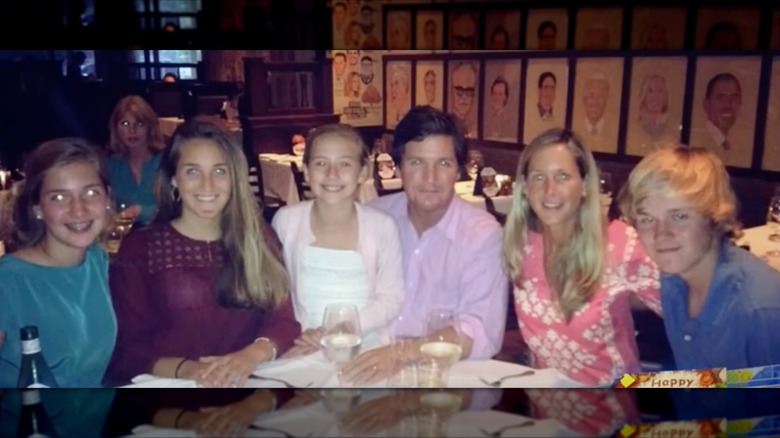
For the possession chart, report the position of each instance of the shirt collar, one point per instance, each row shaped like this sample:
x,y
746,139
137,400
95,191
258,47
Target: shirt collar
x,y
716,133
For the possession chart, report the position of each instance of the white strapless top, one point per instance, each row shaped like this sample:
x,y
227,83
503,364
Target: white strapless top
x,y
330,276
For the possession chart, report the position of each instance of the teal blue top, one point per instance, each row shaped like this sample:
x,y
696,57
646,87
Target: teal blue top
x,y
127,190
73,311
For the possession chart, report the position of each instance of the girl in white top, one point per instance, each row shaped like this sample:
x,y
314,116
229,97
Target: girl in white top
x,y
337,250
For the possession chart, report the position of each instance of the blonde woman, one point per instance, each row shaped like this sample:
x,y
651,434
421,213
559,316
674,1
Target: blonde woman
x,y
573,273
202,293
721,304
135,144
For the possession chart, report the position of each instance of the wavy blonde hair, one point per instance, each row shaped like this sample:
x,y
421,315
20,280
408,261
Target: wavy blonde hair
x,y
696,174
143,112
252,276
579,264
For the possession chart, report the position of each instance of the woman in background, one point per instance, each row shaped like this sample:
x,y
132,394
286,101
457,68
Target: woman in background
x,y
201,293
57,279
134,145
573,272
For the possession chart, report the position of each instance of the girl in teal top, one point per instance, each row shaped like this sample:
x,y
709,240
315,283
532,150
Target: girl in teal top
x,y
57,280
135,144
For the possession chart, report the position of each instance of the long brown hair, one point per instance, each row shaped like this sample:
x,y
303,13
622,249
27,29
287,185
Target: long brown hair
x,y
251,276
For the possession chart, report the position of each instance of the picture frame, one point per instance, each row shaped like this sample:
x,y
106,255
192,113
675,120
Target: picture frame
x,y
771,157
398,96
546,96
547,29
655,103
398,30
463,93
774,37
500,107
722,28
429,30
598,85
598,28
429,83
725,121
462,29
502,29
658,28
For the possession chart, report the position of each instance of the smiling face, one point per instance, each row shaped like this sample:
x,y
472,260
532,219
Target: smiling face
x,y
554,187
335,170
73,205
678,238
133,132
656,97
339,64
429,170
723,104
547,93
203,180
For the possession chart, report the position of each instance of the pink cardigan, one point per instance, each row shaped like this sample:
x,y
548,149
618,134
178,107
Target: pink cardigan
x,y
378,243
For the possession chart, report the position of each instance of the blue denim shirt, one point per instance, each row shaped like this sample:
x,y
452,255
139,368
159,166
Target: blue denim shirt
x,y
738,325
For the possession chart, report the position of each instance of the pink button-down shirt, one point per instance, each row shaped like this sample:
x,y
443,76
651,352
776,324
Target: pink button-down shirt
x,y
598,345
455,264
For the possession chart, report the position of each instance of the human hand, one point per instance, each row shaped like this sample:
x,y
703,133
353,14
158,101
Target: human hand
x,y
230,370
302,398
379,414
307,343
372,366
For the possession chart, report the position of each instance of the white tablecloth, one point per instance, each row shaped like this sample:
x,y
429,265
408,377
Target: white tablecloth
x,y
758,239
169,124
465,189
315,371
278,179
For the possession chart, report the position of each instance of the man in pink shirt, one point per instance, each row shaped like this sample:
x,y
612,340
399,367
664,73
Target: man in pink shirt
x,y
451,249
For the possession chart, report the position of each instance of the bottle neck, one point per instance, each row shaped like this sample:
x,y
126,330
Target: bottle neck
x,y
31,346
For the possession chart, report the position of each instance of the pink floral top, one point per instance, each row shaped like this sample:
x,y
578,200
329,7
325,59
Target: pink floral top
x,y
598,345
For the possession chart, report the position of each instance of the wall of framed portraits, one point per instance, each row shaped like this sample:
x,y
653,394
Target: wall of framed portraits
x,y
623,104
554,25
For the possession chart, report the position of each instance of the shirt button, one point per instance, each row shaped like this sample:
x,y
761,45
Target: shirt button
x,y
687,337
417,251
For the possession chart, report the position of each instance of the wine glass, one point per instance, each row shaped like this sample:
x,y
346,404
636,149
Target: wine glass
x,y
605,189
773,220
439,350
341,337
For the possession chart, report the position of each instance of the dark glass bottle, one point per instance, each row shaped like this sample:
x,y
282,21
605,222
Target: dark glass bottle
x,y
34,372
33,420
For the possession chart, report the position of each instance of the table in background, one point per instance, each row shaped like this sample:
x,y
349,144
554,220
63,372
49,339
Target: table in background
x,y
758,240
278,179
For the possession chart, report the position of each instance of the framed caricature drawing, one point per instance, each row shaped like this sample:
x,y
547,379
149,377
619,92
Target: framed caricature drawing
x,y
502,100
429,30
546,85
655,103
429,84
598,29
547,29
398,97
398,30
658,28
724,106
502,29
463,97
771,160
598,84
727,28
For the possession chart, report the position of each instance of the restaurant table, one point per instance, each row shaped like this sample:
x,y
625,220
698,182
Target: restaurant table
x,y
314,370
278,179
168,124
465,189
758,240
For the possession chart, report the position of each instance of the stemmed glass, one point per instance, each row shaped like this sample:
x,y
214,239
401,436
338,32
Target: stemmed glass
x,y
341,337
606,189
773,220
438,352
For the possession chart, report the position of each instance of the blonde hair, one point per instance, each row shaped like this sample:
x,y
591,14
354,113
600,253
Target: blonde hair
x,y
341,131
252,276
693,173
579,264
143,112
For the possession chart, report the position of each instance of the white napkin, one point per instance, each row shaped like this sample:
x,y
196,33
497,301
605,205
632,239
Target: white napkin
x,y
466,374
150,381
313,369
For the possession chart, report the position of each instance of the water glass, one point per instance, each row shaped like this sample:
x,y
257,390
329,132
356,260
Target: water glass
x,y
439,352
